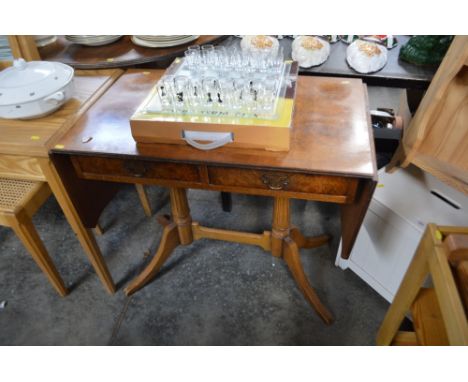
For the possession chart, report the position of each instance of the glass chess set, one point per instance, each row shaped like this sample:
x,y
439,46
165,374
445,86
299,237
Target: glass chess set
x,y
221,95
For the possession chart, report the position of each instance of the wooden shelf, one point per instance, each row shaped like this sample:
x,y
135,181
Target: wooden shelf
x,y
122,53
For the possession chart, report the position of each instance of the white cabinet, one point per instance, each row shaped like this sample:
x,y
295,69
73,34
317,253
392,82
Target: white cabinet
x,y
403,203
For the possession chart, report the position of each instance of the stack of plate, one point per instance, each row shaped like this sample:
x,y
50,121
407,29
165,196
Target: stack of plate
x,y
5,51
92,40
44,40
162,41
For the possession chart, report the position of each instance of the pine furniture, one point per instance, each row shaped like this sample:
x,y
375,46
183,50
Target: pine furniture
x,y
438,313
24,147
19,200
436,139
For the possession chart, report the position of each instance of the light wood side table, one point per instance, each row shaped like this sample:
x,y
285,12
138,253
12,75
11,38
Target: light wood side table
x,y
24,147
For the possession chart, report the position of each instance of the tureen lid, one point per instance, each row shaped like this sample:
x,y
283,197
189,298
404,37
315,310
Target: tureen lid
x,y
29,81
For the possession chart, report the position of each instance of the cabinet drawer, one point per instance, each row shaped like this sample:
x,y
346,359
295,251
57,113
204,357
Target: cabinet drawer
x,y
284,181
131,170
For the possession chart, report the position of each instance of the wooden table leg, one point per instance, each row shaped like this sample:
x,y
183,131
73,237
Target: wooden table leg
x,y
181,215
285,242
282,242
281,225
28,235
293,260
170,240
85,235
307,242
143,196
176,232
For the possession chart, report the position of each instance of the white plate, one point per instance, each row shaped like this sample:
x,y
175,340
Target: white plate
x,y
90,38
45,40
94,42
148,44
162,38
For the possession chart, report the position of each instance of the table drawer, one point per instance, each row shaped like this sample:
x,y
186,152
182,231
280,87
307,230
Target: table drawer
x,y
283,181
128,170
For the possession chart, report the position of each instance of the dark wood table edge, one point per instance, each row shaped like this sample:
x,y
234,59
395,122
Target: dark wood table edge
x,y
391,82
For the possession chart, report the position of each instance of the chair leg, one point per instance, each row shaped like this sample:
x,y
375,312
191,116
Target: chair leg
x,y
98,230
226,201
28,235
144,199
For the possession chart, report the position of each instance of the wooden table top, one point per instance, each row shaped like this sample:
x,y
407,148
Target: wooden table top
x,y
34,137
331,130
122,53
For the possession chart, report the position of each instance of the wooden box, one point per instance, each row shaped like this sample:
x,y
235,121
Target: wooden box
x,y
150,125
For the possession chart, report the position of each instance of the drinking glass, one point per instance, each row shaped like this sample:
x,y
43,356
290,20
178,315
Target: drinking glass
x,y
279,60
249,96
227,94
192,57
268,91
165,92
210,86
181,90
236,97
235,59
208,54
220,58
194,48
195,96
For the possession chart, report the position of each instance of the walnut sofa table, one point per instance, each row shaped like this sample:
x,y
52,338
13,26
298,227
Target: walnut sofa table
x,y
331,159
24,147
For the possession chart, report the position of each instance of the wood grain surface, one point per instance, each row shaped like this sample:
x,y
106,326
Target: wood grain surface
x,y
436,139
33,137
331,131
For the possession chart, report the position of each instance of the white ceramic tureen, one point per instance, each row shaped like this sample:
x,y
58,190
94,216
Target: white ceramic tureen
x,y
34,89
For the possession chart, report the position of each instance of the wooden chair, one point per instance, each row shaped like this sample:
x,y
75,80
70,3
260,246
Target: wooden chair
x,y
438,313
19,200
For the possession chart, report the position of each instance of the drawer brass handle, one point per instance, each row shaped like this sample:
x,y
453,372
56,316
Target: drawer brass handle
x,y
275,181
137,169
